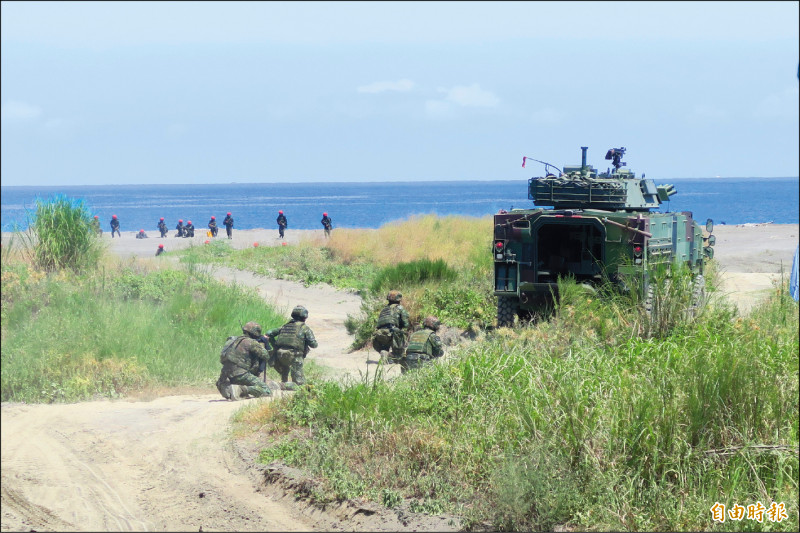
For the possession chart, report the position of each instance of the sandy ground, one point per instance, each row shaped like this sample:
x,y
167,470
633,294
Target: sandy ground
x,y
167,464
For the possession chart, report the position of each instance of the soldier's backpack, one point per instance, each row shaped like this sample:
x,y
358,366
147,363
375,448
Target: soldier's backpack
x,y
382,339
227,350
285,356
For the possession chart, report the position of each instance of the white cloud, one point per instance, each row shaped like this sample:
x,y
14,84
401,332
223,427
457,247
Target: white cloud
x,y
439,109
459,96
472,96
403,85
19,111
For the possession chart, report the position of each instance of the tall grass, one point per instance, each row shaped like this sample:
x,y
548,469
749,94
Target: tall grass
x,y
69,336
59,235
456,240
353,258
412,272
578,421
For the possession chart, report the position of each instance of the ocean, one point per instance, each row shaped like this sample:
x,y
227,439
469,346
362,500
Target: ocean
x,y
370,205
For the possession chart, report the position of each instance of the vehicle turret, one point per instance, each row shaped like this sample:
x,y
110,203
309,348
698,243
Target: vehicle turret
x,y
582,187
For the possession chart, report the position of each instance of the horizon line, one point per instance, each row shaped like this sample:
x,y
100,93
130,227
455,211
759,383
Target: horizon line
x,y
372,182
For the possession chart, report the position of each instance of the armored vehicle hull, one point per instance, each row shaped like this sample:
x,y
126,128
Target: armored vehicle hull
x,y
622,242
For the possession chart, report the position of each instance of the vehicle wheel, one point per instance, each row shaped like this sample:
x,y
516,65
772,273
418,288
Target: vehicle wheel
x,y
506,310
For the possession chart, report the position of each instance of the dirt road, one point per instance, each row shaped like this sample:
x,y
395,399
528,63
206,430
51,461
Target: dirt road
x,y
167,464
163,465
160,465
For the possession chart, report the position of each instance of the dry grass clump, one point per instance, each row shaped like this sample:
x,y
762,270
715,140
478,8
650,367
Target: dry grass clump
x,y
454,239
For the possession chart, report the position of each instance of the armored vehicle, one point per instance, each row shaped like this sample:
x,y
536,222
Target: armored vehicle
x,y
595,227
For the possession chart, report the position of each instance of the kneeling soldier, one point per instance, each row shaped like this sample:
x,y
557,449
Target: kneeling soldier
x,y
423,345
240,359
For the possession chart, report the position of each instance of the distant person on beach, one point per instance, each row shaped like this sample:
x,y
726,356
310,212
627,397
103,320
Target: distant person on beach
x,y
327,223
180,228
389,335
141,234
291,344
228,222
240,358
282,223
162,227
115,226
212,225
188,229
95,225
423,345
160,250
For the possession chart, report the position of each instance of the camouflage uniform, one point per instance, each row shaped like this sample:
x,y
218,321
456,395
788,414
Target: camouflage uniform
x,y
392,320
291,343
188,229
423,345
179,228
162,227
240,360
212,225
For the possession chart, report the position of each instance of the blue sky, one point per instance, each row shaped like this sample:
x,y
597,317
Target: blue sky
x,y
218,92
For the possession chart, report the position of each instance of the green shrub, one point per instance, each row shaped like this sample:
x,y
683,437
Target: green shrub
x,y
411,273
109,334
60,236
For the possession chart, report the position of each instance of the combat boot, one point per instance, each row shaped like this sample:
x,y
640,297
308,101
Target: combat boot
x,y
235,392
288,385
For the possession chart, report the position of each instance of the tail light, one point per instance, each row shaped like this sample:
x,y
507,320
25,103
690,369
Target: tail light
x,y
498,249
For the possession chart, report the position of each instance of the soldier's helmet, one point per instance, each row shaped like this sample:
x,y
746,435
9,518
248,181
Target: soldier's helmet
x,y
213,217
394,297
252,329
299,313
431,322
